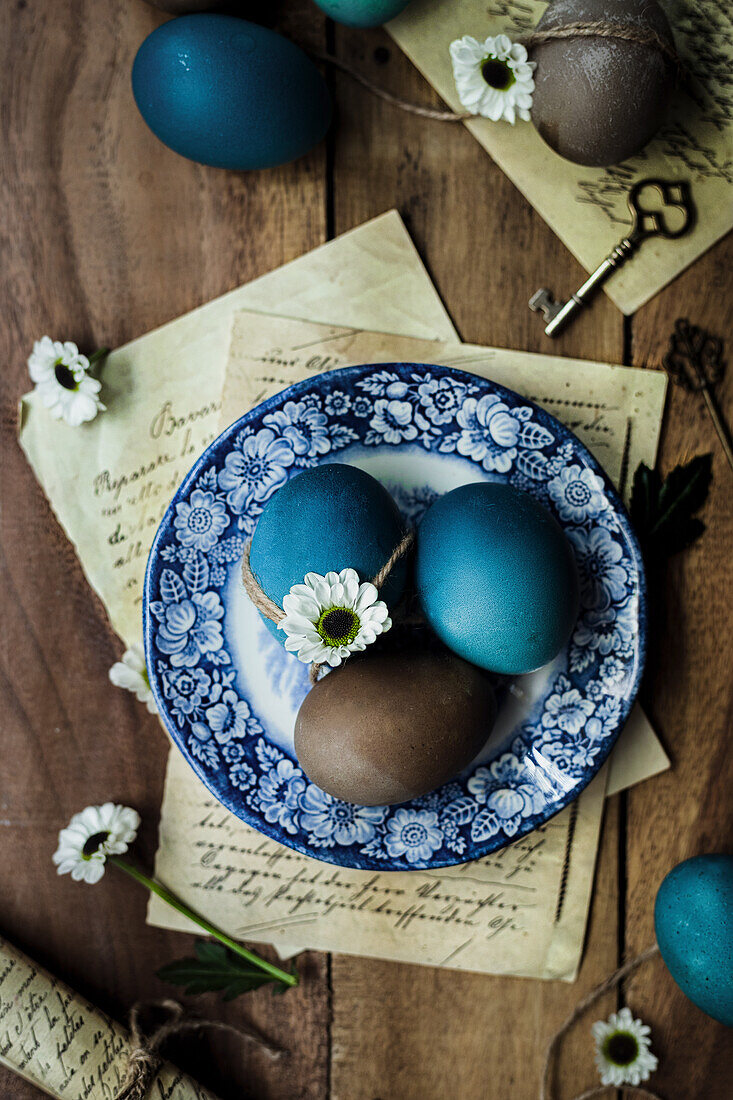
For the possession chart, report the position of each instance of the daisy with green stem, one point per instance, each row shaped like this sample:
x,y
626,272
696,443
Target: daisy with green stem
x,y
102,834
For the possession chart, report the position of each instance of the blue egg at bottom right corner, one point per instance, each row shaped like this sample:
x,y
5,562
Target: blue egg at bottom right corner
x,y
693,921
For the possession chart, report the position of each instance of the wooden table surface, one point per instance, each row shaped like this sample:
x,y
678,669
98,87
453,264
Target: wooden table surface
x,y
107,234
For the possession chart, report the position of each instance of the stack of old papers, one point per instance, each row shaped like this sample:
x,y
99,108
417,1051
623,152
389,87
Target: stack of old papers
x,y
364,297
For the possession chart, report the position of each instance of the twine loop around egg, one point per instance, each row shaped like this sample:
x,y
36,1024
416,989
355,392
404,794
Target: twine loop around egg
x,y
599,28
604,28
275,613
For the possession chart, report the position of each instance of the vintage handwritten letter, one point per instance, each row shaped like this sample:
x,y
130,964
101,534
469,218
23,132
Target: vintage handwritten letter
x,y
110,481
586,207
615,411
521,911
63,1045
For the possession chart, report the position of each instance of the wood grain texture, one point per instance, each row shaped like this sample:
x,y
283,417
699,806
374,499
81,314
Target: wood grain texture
x,y
106,234
688,691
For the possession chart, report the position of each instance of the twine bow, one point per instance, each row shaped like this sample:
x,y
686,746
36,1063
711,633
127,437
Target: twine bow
x,y
275,613
144,1060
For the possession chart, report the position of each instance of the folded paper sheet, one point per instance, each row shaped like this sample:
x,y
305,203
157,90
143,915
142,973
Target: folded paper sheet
x,y
63,1045
109,481
586,207
521,911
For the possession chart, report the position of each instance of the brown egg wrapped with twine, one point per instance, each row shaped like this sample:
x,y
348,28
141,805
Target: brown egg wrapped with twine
x,y
605,74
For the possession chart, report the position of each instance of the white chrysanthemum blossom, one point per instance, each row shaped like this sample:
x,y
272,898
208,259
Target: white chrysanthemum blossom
x,y
623,1056
60,374
131,674
328,618
493,78
91,836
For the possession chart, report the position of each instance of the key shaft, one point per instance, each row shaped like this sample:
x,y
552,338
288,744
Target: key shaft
x,y
614,260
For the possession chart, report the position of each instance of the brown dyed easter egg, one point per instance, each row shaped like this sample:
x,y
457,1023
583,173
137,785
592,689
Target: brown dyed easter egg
x,y
599,100
386,727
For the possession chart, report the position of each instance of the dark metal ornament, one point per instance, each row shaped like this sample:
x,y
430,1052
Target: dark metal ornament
x,y
695,362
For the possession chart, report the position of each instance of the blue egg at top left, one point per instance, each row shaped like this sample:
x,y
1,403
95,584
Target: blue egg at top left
x,y
327,518
228,93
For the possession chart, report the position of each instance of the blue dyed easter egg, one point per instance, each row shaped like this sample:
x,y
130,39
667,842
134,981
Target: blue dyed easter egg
x,y
330,517
362,13
496,577
225,92
693,920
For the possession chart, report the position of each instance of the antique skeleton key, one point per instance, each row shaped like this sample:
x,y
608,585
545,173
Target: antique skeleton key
x,y
644,223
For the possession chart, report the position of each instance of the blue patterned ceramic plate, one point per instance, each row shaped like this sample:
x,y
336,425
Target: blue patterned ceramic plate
x,y
229,693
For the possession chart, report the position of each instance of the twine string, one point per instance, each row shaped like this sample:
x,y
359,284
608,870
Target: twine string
x,y
144,1060
381,93
274,612
595,994
601,28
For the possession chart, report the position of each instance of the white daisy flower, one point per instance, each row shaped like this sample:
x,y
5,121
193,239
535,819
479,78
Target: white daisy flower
x,y
91,836
327,618
623,1056
493,77
60,374
131,674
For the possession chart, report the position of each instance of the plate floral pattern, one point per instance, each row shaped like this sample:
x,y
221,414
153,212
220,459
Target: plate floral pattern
x,y
564,737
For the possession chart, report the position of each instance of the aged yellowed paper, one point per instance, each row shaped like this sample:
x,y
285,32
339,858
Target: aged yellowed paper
x,y
521,911
586,207
110,481
164,393
615,411
63,1045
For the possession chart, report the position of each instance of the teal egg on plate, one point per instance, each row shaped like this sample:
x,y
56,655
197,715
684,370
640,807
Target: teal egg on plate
x,y
330,517
362,13
693,920
228,93
496,577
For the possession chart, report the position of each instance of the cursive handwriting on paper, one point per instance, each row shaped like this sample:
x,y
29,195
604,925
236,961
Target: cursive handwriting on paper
x,y
586,206
132,498
498,914
64,1045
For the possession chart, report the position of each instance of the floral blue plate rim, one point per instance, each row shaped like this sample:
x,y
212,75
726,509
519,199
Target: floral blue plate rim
x,y
424,409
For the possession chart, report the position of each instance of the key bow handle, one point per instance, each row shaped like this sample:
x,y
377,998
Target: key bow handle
x,y
653,220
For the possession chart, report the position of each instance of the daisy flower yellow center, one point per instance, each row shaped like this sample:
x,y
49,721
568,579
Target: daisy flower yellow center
x,y
338,626
621,1048
497,74
93,844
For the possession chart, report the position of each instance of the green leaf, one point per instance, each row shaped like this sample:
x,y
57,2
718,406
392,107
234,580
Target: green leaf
x,y
215,968
663,511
